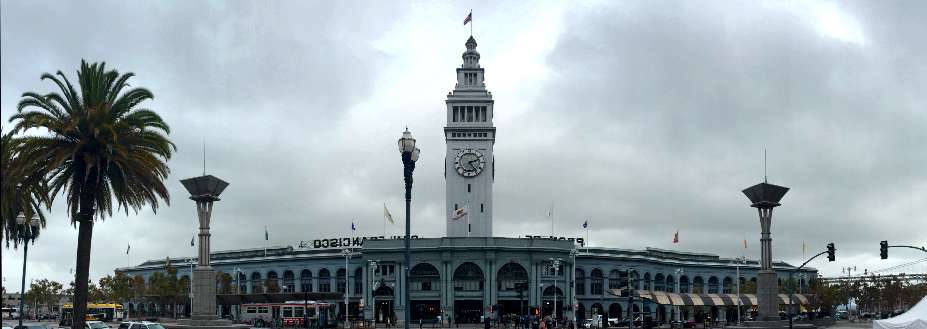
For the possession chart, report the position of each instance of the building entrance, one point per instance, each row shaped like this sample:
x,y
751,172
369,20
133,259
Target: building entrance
x,y
468,311
425,309
516,307
383,311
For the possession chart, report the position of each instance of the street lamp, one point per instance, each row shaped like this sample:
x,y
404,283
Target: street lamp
x,y
555,265
679,273
346,252
737,263
371,279
573,253
28,230
409,155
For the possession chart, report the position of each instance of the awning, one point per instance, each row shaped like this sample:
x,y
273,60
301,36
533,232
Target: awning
x,y
679,299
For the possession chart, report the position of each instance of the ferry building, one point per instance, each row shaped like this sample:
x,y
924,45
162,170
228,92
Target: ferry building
x,y
469,273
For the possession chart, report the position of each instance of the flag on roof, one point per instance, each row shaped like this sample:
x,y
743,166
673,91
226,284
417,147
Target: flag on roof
x,y
386,215
469,18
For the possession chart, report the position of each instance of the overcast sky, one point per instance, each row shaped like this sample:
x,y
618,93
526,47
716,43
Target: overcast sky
x,y
640,117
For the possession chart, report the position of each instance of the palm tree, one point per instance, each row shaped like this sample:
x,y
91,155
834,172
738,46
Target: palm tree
x,y
24,190
99,148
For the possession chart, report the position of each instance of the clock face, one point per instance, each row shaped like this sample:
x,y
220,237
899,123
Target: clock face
x,y
469,162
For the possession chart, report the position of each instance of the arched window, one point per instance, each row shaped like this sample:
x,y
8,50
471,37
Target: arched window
x,y
468,277
659,282
647,281
580,282
424,277
549,291
614,311
728,286
511,277
698,285
257,285
614,280
670,284
358,281
684,287
288,284
713,285
342,281
305,281
635,279
596,286
325,280
273,282
242,283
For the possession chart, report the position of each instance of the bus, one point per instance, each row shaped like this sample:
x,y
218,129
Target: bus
x,y
106,312
287,314
10,313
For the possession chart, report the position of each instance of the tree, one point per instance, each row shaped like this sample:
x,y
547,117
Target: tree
x,y
138,286
44,292
23,185
115,288
99,149
224,281
749,287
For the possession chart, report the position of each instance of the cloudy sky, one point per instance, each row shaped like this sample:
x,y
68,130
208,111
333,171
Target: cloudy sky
x,y
640,117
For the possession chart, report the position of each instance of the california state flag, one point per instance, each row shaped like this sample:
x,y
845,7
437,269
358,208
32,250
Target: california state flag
x,y
459,213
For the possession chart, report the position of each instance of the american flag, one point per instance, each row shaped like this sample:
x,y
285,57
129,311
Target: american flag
x,y
469,18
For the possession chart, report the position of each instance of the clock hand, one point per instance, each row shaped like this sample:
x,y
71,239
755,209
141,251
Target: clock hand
x,y
471,163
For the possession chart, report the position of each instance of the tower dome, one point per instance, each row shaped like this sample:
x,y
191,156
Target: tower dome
x,y
471,57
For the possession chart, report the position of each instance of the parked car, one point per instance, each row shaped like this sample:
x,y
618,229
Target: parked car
x,y
32,326
140,325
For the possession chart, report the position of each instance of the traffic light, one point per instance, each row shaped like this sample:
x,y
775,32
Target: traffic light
x,y
883,249
830,252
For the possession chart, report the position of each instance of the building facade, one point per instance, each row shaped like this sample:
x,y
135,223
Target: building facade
x,y
470,274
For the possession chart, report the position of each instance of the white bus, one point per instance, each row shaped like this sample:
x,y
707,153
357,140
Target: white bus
x,y
287,314
10,313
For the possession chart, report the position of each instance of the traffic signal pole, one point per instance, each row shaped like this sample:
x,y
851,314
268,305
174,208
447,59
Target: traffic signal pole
x,y
830,257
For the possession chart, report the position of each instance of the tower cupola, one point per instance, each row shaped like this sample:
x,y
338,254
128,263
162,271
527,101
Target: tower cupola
x,y
471,57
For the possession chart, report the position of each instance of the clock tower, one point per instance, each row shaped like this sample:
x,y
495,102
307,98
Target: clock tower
x,y
469,169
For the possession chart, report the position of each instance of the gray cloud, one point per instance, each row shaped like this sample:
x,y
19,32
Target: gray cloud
x,y
642,117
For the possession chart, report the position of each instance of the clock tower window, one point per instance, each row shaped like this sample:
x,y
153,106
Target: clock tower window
x,y
468,188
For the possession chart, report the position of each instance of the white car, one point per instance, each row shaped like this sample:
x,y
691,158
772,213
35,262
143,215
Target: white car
x,y
140,325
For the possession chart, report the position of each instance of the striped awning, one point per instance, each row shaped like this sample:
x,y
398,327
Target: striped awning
x,y
680,299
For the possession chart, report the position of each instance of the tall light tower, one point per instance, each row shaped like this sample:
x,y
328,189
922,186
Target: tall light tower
x,y
764,197
204,190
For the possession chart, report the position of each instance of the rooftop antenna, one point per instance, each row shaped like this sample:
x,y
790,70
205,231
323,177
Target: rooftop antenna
x,y
204,157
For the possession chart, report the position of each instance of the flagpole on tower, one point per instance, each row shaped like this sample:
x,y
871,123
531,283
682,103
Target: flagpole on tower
x,y
471,22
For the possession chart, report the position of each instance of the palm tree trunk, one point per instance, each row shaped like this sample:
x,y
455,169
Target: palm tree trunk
x,y
82,274
84,234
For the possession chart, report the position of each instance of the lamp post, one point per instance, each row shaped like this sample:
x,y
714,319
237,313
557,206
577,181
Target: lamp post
x,y
573,253
737,263
28,230
555,265
346,252
410,155
679,273
204,190
849,271
372,266
764,197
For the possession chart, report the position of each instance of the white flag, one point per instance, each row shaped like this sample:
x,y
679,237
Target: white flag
x,y
459,213
387,216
